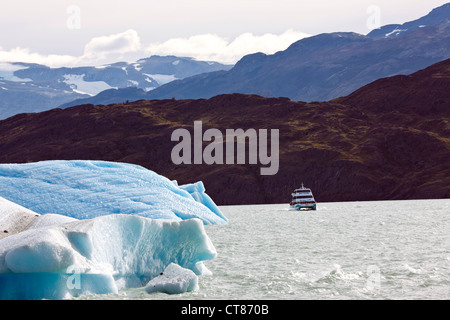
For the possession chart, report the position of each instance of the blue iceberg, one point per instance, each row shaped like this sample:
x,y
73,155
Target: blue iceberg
x,y
97,256
88,189
71,228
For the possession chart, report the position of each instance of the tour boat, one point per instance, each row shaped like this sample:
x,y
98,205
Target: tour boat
x,y
303,199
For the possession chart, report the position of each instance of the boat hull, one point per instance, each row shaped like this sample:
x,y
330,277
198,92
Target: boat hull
x,y
299,207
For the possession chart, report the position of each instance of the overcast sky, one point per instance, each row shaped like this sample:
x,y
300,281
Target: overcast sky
x,y
94,32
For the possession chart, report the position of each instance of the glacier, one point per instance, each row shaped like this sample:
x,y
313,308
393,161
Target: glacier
x,y
86,189
71,228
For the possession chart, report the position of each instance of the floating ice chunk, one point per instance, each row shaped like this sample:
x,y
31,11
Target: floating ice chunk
x,y
99,255
175,279
88,189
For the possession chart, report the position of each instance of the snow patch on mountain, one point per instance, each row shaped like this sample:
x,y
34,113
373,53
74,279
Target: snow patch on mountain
x,y
79,85
395,32
162,78
7,72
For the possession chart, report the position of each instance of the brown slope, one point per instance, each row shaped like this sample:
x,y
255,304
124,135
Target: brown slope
x,y
416,108
388,140
424,92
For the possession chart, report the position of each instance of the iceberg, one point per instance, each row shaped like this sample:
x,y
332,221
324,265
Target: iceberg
x,y
71,228
87,189
59,257
173,280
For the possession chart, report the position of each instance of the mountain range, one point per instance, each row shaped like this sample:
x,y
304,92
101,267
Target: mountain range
x,y
27,87
327,66
318,68
387,140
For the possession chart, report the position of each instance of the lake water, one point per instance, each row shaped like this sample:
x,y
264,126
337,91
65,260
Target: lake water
x,y
346,250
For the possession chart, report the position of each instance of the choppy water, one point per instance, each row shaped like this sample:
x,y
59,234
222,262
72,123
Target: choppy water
x,y
347,250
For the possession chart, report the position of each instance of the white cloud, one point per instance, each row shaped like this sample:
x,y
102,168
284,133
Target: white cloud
x,y
216,48
25,55
98,50
126,46
124,42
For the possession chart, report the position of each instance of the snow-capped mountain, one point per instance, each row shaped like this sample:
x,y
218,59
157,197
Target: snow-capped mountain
x,y
438,17
27,87
317,68
326,66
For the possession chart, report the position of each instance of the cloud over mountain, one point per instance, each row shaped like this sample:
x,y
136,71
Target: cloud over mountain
x,y
124,42
127,46
217,48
